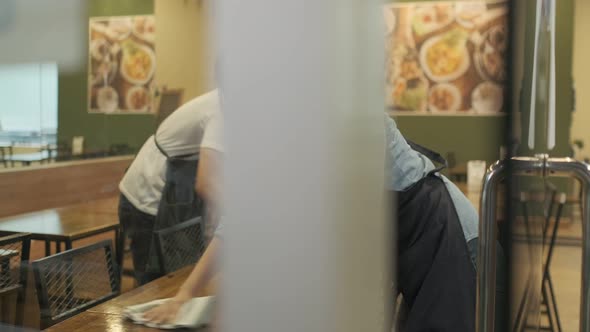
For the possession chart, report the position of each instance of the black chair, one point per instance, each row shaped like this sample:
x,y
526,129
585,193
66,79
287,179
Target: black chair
x,y
75,280
180,245
14,253
549,307
6,153
119,149
63,152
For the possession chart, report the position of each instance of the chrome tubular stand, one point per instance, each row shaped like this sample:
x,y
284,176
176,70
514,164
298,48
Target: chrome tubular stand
x,y
543,166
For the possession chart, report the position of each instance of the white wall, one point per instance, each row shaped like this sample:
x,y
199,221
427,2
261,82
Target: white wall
x,y
23,42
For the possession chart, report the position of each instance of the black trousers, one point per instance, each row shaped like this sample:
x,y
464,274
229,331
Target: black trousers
x,y
138,226
435,273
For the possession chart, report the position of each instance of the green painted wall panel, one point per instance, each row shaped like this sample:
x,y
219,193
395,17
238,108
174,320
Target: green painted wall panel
x,y
99,130
469,138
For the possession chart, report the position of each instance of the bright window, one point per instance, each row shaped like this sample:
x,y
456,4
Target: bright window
x,y
28,103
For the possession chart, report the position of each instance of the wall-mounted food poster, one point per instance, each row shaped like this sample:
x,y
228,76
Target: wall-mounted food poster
x,y
121,64
446,57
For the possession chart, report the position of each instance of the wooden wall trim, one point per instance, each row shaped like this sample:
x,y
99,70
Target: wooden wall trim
x,y
54,185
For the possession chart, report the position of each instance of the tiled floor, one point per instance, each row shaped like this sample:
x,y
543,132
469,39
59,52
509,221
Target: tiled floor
x,y
565,272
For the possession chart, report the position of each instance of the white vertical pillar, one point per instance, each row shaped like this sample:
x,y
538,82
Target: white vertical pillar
x,y
306,238
43,31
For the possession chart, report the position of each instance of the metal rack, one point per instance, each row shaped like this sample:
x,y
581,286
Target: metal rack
x,y
541,166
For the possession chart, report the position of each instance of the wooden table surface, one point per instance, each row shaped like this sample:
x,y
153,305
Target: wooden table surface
x,y
164,287
109,317
68,222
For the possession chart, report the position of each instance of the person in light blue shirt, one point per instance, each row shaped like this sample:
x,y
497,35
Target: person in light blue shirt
x,y
406,167
415,178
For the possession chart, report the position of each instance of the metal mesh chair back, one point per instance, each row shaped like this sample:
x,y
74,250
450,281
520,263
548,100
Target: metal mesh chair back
x,y
14,253
180,245
75,280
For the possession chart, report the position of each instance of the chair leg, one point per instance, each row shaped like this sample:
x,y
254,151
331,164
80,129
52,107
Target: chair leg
x,y
120,246
547,284
520,321
553,300
548,304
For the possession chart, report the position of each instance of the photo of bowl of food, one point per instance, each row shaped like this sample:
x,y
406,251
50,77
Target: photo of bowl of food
x,y
408,95
445,57
119,28
107,99
406,84
144,28
138,99
390,20
138,63
490,55
444,97
103,73
487,97
427,19
100,49
468,13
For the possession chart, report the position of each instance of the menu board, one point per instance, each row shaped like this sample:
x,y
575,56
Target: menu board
x,y
446,57
121,64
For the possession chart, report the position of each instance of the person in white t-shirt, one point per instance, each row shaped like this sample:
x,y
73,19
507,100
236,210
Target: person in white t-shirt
x,y
192,132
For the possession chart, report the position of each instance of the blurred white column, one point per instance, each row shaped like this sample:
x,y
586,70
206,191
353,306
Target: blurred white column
x,y
43,31
306,240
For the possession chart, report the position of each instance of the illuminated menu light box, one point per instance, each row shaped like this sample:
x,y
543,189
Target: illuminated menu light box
x,y
446,58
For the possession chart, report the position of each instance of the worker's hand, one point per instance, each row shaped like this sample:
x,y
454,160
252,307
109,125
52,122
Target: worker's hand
x,y
166,312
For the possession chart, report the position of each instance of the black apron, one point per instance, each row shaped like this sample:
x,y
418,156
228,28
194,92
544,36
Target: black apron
x,y
435,272
179,203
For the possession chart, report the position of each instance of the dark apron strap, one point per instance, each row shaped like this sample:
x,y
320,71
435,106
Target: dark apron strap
x,y
178,203
188,155
432,155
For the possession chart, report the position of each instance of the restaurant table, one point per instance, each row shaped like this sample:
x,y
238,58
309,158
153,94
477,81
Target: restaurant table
x,y
66,224
458,173
472,194
27,158
109,315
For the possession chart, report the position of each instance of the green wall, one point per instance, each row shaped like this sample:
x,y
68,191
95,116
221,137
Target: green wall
x,y
468,137
99,130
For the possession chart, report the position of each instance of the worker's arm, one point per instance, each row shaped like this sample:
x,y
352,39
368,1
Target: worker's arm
x,y
209,180
192,286
208,187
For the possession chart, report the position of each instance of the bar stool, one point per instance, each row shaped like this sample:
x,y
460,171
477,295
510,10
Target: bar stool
x,y
540,166
548,299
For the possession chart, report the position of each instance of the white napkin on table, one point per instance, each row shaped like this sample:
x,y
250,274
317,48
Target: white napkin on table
x,y
194,313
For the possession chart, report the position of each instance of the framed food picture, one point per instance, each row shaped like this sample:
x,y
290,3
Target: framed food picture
x,y
446,58
121,64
